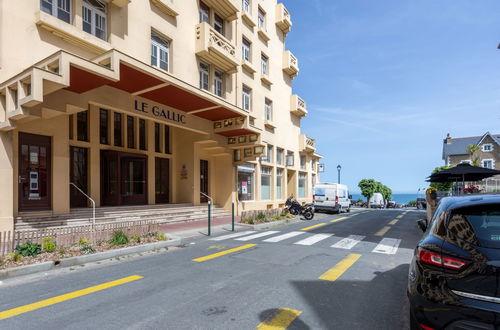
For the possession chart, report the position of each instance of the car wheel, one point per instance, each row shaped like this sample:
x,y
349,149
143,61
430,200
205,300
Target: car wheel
x,y
348,210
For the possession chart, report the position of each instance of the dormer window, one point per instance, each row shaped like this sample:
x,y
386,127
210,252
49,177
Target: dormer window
x,y
94,18
58,8
487,147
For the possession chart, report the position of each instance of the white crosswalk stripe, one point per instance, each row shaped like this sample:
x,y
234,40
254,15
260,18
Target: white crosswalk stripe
x,y
387,246
243,233
313,239
284,236
266,233
348,242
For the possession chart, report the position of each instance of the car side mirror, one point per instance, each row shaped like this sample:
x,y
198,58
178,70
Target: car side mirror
x,y
422,224
350,196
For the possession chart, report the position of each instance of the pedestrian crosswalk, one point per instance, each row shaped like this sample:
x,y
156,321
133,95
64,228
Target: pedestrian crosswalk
x,y
385,246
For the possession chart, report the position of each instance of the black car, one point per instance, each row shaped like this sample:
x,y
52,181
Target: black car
x,y
454,277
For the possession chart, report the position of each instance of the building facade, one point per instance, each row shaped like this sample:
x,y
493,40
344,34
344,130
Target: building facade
x,y
455,150
149,102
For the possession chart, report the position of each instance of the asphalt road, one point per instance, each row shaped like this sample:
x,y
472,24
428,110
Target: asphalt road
x,y
346,274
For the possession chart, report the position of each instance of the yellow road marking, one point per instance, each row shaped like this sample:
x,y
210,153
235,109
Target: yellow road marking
x,y
280,320
75,294
315,226
216,247
393,222
339,219
336,271
382,231
219,254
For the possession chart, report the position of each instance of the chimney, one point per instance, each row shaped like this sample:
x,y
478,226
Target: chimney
x,y
448,139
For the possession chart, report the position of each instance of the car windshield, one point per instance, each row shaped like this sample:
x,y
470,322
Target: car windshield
x,y
479,225
319,191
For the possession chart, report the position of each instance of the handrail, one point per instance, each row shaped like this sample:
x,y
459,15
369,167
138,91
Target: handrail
x,y
203,194
93,207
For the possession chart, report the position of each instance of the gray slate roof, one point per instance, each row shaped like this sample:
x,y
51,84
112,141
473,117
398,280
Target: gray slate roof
x,y
458,146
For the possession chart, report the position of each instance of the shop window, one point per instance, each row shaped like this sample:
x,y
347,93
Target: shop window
x,y
82,126
245,182
94,18
58,8
279,183
130,132
159,51
166,136
157,137
302,185
265,183
142,134
117,134
104,126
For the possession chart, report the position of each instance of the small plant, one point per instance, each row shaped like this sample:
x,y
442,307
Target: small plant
x,y
119,238
83,241
29,249
261,217
48,245
161,237
248,220
17,257
151,234
87,249
62,250
2,261
136,238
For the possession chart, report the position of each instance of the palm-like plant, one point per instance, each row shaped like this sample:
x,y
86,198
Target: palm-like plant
x,y
472,150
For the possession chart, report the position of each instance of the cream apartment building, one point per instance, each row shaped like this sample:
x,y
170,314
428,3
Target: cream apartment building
x,y
138,102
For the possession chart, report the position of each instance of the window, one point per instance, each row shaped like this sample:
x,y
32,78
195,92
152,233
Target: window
x,y
218,83
302,185
264,64
289,159
157,138
478,225
159,52
265,183
204,13
218,24
303,162
261,21
246,50
245,182
488,163
487,147
71,126
466,162
247,98
104,126
246,6
279,156
313,180
204,72
166,137
269,157
82,126
142,134
117,134
58,8
94,18
130,132
268,110
279,183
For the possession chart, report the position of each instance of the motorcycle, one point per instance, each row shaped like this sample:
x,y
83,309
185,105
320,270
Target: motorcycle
x,y
295,208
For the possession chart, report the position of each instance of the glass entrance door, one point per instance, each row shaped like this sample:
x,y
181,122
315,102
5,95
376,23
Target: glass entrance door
x,y
78,176
133,180
34,172
203,180
162,182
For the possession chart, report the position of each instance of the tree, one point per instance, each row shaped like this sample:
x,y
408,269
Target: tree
x,y
441,186
472,149
368,187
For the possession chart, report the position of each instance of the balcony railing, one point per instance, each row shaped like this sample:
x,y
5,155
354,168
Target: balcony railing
x,y
310,142
215,48
283,18
307,143
290,63
298,106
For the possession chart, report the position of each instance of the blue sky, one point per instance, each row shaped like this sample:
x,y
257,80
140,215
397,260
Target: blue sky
x,y
386,80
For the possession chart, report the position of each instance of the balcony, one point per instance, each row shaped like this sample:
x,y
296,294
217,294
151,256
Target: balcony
x,y
227,9
166,6
306,143
283,18
119,3
248,19
290,64
215,48
298,106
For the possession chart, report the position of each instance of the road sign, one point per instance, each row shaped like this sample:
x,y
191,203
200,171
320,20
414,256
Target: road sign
x,y
321,168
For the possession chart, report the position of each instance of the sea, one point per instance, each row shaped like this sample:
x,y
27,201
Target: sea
x,y
398,198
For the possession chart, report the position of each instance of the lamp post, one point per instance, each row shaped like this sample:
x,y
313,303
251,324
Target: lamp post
x,y
338,169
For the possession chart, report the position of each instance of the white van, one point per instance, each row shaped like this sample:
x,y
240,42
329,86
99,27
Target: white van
x,y
331,197
376,201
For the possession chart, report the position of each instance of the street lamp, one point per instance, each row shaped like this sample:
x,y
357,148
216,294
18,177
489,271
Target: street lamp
x,y
338,169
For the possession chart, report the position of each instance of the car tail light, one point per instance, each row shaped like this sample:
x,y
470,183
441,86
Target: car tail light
x,y
314,198
424,327
336,199
437,259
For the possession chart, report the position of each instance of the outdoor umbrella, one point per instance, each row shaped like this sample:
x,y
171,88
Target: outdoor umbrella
x,y
462,172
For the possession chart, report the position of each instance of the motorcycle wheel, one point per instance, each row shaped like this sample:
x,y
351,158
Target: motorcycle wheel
x,y
308,215
293,211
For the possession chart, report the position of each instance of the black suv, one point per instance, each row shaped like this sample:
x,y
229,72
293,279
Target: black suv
x,y
454,277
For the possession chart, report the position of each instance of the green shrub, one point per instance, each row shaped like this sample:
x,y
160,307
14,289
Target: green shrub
x,y
119,238
136,238
2,261
261,216
87,249
49,245
29,249
83,241
62,250
248,220
161,237
17,257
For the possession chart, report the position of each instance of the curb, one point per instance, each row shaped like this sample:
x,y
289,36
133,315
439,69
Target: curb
x,y
273,224
83,259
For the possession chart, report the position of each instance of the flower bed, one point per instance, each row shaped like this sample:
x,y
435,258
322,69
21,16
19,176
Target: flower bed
x,y
262,218
31,253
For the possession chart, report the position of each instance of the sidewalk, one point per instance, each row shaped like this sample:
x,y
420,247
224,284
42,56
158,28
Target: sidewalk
x,y
198,227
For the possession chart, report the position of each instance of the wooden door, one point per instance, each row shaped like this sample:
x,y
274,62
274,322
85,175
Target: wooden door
x,y
162,180
78,176
203,180
133,181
